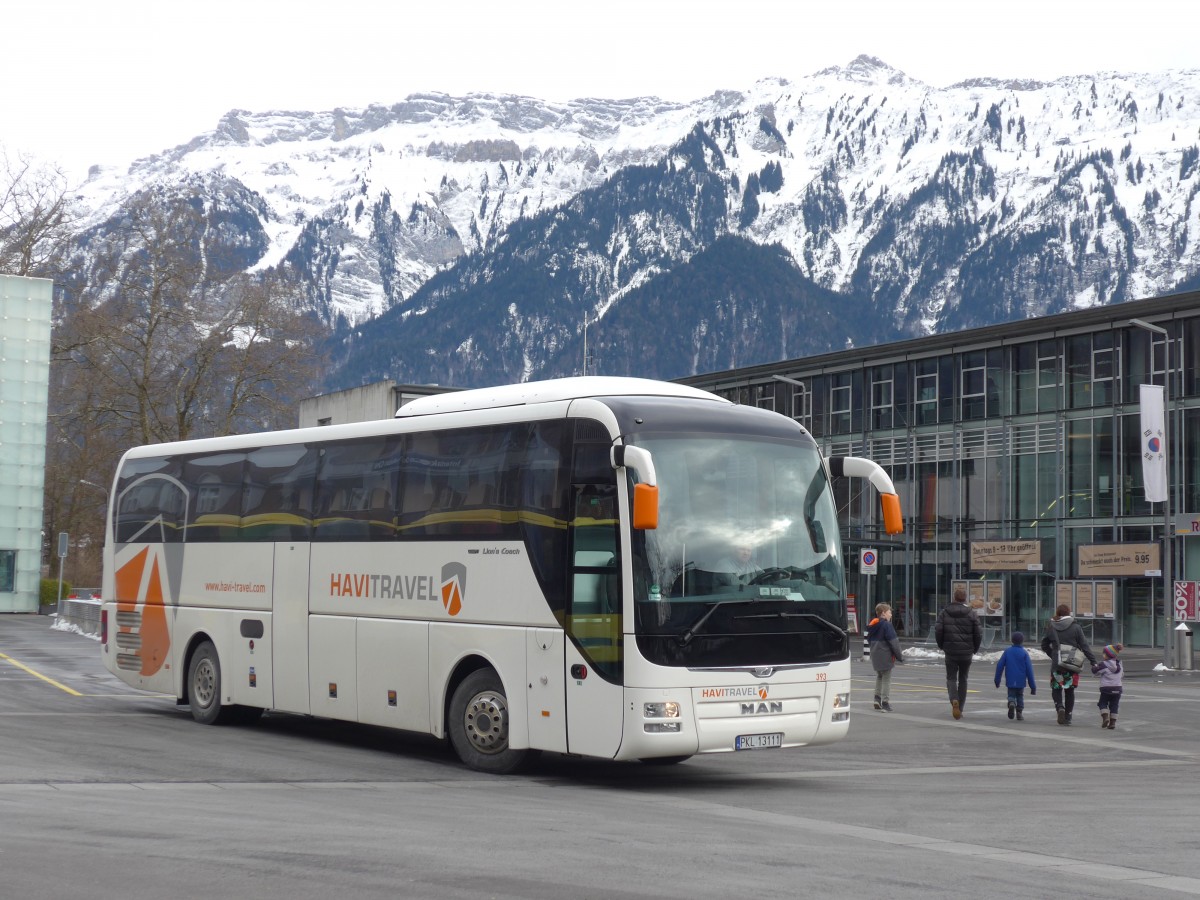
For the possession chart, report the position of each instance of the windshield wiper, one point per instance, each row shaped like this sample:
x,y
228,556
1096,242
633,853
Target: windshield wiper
x,y
686,637
782,614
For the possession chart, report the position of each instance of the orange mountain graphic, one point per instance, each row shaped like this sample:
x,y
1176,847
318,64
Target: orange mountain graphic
x,y
156,640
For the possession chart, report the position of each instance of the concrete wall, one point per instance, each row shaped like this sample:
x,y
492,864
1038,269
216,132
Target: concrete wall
x,y
362,404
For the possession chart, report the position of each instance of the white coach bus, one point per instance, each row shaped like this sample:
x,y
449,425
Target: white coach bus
x,y
543,566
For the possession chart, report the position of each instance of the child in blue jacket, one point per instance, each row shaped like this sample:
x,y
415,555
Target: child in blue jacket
x,y
1017,669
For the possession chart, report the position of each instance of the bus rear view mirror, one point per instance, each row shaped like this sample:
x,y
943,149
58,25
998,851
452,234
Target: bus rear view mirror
x,y
856,467
645,491
893,521
645,507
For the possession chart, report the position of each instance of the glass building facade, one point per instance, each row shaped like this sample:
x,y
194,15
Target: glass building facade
x,y
1016,433
25,306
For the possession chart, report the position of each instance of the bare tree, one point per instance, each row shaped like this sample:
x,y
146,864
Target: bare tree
x,y
167,342
37,215
180,347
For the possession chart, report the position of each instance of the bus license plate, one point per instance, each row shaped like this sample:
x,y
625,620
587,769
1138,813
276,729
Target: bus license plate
x,y
758,741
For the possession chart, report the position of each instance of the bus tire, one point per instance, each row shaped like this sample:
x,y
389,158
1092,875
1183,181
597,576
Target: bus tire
x,y
479,725
664,760
204,687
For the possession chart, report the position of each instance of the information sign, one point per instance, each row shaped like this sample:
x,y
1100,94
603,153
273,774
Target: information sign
x,y
868,562
1130,560
1187,598
1006,556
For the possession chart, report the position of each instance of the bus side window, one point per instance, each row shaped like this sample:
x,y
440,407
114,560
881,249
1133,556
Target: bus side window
x,y
215,482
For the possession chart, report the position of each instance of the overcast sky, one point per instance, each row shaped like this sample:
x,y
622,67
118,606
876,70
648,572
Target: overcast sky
x,y
86,81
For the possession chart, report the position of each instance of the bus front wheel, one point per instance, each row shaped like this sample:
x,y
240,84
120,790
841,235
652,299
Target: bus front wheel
x,y
479,724
204,687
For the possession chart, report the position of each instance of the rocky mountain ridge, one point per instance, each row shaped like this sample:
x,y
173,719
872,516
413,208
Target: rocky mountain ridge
x,y
469,240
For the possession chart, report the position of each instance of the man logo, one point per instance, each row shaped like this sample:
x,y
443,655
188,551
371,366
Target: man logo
x,y
454,587
775,707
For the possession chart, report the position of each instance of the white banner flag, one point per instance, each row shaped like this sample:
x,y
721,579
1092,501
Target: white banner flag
x,y
1154,445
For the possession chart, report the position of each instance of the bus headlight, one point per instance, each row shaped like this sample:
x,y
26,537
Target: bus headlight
x,y
667,710
841,701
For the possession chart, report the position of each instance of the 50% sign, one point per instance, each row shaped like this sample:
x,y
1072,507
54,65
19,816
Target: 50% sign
x,y
1187,598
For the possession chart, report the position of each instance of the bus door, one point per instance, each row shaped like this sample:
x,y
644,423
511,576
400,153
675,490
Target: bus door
x,y
289,627
594,650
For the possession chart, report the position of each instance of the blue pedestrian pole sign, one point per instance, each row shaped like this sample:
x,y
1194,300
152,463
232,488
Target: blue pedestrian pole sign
x,y
868,562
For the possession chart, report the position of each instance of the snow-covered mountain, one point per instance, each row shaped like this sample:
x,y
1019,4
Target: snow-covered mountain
x,y
468,240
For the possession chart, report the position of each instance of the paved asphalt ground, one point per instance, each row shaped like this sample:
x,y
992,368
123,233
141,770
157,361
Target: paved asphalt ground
x,y
106,792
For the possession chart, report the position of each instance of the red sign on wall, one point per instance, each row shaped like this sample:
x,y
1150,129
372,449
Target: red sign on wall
x,y
1187,597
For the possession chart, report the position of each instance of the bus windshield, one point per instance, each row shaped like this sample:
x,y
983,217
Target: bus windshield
x,y
745,566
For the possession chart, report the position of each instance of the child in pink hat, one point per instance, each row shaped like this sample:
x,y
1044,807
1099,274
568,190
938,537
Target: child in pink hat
x,y
1111,674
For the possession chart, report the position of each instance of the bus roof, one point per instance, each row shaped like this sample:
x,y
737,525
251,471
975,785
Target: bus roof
x,y
550,391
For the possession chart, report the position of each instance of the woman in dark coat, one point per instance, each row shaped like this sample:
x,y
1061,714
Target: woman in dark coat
x,y
885,653
1064,631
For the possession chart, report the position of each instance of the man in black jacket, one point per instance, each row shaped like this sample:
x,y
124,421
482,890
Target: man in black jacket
x,y
958,635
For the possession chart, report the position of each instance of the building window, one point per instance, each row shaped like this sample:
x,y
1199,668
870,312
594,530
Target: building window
x,y
1104,369
1048,376
1091,369
973,385
1132,499
925,393
802,405
1035,466
1079,469
1191,459
839,405
1146,361
882,397
764,396
8,571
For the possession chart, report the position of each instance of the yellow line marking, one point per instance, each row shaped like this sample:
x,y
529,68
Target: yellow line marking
x,y
25,668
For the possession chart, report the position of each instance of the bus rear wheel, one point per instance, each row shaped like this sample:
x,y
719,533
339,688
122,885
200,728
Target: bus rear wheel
x,y
479,725
204,687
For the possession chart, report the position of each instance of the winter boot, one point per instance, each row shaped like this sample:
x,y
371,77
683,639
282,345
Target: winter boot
x,y
1068,722
955,709
1020,714
887,707
1012,708
1104,717
878,705
1062,715
1112,722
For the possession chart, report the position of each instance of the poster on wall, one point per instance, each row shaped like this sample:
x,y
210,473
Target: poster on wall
x,y
1129,560
1085,607
1006,556
995,598
1106,599
1064,594
985,597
